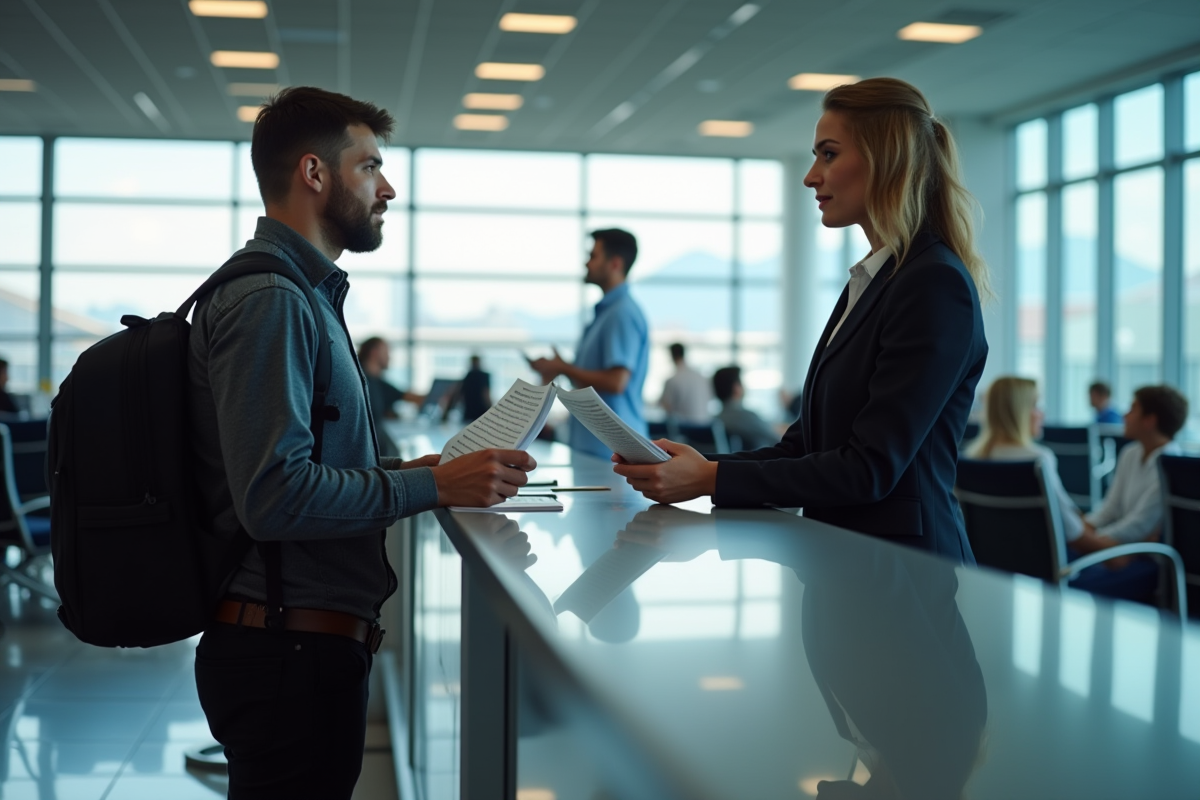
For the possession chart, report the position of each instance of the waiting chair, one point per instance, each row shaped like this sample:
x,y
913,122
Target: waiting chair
x,y
1112,440
970,433
22,460
1180,479
1078,452
1013,526
708,438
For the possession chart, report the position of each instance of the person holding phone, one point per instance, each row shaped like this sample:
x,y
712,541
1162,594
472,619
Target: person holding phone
x,y
893,377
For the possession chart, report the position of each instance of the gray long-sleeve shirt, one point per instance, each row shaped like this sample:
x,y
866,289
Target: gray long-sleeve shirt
x,y
252,357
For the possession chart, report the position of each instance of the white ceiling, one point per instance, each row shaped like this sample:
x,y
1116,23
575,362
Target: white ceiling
x,y
416,57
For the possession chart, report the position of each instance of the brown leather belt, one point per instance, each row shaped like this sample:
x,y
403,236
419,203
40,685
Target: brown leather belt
x,y
306,620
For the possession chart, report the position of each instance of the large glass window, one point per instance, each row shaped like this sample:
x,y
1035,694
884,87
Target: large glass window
x,y
1138,248
1138,117
1191,286
1079,242
1108,209
20,256
483,251
1031,287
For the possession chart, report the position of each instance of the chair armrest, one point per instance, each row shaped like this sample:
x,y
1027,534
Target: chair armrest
x,y
36,504
1137,548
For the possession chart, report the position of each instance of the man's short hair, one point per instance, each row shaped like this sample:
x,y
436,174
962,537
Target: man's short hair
x,y
1166,404
617,242
677,351
1100,388
724,380
367,347
304,119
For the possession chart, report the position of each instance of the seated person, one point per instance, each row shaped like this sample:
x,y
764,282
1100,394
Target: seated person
x,y
8,402
686,394
753,431
374,356
1100,398
1012,420
1132,511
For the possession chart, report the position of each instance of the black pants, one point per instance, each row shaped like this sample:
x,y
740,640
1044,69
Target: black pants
x,y
290,709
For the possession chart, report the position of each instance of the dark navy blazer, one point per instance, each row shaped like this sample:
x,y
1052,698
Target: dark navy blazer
x,y
885,404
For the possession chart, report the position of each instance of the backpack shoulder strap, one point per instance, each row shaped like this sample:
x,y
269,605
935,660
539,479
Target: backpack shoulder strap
x,y
254,263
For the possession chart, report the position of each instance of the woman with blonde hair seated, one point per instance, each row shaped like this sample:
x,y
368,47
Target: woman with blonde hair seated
x,y
1011,423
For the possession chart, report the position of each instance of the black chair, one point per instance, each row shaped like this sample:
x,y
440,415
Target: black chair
x,y
661,430
708,438
22,460
1078,452
1013,525
970,433
1180,477
1112,440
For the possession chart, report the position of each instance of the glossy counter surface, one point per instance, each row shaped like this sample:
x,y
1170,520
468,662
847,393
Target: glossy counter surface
x,y
692,652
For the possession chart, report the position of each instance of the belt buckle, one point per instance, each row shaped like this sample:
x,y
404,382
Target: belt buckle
x,y
374,638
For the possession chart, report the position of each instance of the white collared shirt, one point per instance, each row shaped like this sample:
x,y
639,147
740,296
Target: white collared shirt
x,y
1133,508
861,275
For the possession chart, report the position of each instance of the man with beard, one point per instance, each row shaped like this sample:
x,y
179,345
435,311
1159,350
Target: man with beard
x,y
285,688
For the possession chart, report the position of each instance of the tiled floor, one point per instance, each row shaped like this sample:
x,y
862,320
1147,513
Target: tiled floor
x,y
88,723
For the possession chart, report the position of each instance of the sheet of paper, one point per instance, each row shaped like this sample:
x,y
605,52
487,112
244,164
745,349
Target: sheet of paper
x,y
595,415
518,504
511,424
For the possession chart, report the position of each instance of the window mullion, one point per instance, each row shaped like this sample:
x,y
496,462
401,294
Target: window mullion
x,y
1173,288
1053,344
1105,285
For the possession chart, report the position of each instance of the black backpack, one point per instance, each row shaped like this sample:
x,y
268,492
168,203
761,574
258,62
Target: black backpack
x,y
134,563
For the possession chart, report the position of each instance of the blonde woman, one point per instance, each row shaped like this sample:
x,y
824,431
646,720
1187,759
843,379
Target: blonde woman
x,y
894,373
1011,423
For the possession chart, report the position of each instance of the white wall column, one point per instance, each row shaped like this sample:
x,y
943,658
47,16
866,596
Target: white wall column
x,y
987,170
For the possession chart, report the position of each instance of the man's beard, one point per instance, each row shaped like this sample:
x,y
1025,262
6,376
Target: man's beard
x,y
347,222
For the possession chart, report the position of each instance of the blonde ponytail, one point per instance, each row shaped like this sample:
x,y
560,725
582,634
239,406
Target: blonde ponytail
x,y
913,179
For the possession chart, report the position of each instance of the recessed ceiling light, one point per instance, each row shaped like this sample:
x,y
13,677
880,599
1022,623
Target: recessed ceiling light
x,y
537,23
481,122
252,89
482,101
239,9
819,81
245,59
726,127
17,85
722,683
496,71
939,32
248,113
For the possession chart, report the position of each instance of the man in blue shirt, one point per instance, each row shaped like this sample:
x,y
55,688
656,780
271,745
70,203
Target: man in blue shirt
x,y
1100,398
614,351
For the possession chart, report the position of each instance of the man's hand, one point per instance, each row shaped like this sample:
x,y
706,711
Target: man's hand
x,y
430,460
549,368
686,476
482,478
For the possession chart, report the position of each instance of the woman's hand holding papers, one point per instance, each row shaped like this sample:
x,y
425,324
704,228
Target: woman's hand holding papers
x,y
482,478
686,476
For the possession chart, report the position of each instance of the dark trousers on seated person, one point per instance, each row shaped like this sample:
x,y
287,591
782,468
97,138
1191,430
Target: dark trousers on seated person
x,y
1137,581
289,707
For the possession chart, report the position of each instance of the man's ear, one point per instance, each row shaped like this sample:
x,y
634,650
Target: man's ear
x,y
313,173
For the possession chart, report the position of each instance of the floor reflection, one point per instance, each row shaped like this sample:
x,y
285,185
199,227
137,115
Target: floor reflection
x,y
93,723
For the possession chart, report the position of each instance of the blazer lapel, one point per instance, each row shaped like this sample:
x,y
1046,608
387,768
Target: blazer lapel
x,y
838,309
861,309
